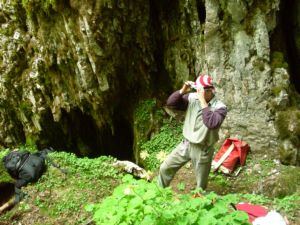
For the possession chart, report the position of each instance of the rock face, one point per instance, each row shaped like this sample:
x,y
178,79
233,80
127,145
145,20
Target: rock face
x,y
72,72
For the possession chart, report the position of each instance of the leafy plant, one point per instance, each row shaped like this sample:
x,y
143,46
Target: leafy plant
x,y
288,204
3,152
255,199
4,176
218,178
97,168
141,202
180,186
161,144
142,112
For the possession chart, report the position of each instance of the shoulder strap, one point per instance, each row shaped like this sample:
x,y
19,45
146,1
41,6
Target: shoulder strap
x,y
224,156
20,165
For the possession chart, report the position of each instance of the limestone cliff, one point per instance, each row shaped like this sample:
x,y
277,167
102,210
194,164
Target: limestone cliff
x,y
72,72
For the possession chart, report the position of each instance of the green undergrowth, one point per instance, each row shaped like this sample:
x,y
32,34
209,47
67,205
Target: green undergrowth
x,y
93,190
246,181
59,198
141,202
154,151
4,176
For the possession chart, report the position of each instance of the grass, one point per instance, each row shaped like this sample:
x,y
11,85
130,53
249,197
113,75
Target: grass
x,y
59,198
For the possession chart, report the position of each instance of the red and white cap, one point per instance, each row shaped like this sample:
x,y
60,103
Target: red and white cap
x,y
204,81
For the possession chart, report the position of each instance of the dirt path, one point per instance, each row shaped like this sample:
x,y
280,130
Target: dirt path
x,y
185,181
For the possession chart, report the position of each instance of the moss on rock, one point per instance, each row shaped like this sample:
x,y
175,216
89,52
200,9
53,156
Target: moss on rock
x,y
288,127
4,176
285,182
288,124
278,61
147,117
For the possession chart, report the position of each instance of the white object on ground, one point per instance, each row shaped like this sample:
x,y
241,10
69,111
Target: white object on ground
x,y
132,168
272,218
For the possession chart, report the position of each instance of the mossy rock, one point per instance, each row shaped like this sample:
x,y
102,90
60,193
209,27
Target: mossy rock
x,y
147,117
4,176
289,154
288,125
281,183
278,60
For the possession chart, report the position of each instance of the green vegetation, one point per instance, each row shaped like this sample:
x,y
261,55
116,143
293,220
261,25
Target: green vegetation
x,y
219,179
181,186
26,108
278,61
87,192
154,151
92,177
59,195
140,202
32,6
4,176
288,125
143,113
3,152
288,204
155,139
143,124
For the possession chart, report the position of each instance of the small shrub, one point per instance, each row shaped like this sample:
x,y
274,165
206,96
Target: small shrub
x,y
142,203
161,144
288,204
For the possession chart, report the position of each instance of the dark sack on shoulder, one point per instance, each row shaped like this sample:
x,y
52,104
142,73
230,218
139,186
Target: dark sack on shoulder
x,y
24,165
27,167
33,168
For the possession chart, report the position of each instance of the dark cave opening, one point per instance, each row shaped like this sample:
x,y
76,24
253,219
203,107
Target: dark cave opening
x,y
201,11
284,38
161,11
77,132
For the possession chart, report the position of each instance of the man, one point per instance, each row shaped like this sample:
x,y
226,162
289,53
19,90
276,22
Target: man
x,y
203,118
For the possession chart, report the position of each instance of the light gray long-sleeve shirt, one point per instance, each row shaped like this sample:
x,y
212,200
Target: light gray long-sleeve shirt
x,y
201,125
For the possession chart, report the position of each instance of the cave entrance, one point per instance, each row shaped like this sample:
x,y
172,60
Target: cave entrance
x,y
201,11
77,132
286,38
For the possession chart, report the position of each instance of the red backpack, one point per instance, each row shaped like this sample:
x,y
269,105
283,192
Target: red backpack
x,y
232,152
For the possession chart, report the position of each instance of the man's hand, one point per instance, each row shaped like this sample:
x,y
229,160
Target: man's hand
x,y
201,97
186,87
